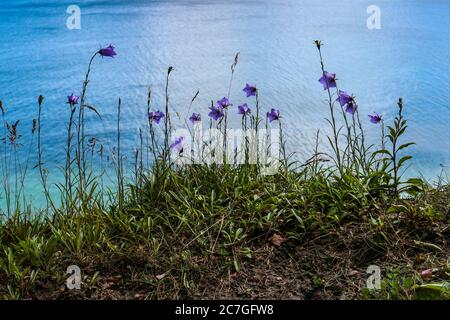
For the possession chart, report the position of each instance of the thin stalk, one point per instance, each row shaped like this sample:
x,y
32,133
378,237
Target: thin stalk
x,y
333,118
119,160
167,124
257,127
68,171
81,131
233,68
40,161
5,166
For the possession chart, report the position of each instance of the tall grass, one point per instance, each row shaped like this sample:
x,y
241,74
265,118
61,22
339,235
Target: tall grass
x,y
208,208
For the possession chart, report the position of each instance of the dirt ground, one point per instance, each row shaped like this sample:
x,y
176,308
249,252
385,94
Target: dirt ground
x,y
329,266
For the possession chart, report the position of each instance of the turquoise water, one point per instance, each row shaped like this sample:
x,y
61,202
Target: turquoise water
x,y
408,57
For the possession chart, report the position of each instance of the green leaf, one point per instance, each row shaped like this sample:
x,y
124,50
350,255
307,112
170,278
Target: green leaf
x,y
236,265
384,151
402,130
440,290
93,109
392,132
402,160
415,181
406,145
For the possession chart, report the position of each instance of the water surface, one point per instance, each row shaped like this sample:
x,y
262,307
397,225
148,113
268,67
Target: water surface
x,y
408,57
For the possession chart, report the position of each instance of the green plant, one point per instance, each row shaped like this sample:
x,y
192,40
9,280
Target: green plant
x,y
393,159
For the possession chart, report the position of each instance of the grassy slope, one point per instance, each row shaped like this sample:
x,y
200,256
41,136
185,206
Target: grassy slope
x,y
208,232
228,233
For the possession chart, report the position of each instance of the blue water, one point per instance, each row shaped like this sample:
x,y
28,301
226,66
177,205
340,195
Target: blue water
x,y
407,57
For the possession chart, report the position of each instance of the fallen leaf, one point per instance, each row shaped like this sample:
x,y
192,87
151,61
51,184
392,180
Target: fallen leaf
x,y
429,246
353,272
427,274
162,276
277,239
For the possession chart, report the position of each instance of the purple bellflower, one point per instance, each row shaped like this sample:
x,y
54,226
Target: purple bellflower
x,y
196,117
375,118
216,113
223,103
343,98
108,51
72,99
328,80
178,145
155,116
351,107
244,109
249,90
273,115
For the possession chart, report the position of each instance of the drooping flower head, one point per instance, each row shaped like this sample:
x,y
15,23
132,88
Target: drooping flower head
x,y
375,118
223,103
155,116
273,115
216,113
196,117
351,107
328,80
249,90
72,99
244,109
178,145
343,98
108,51
346,100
